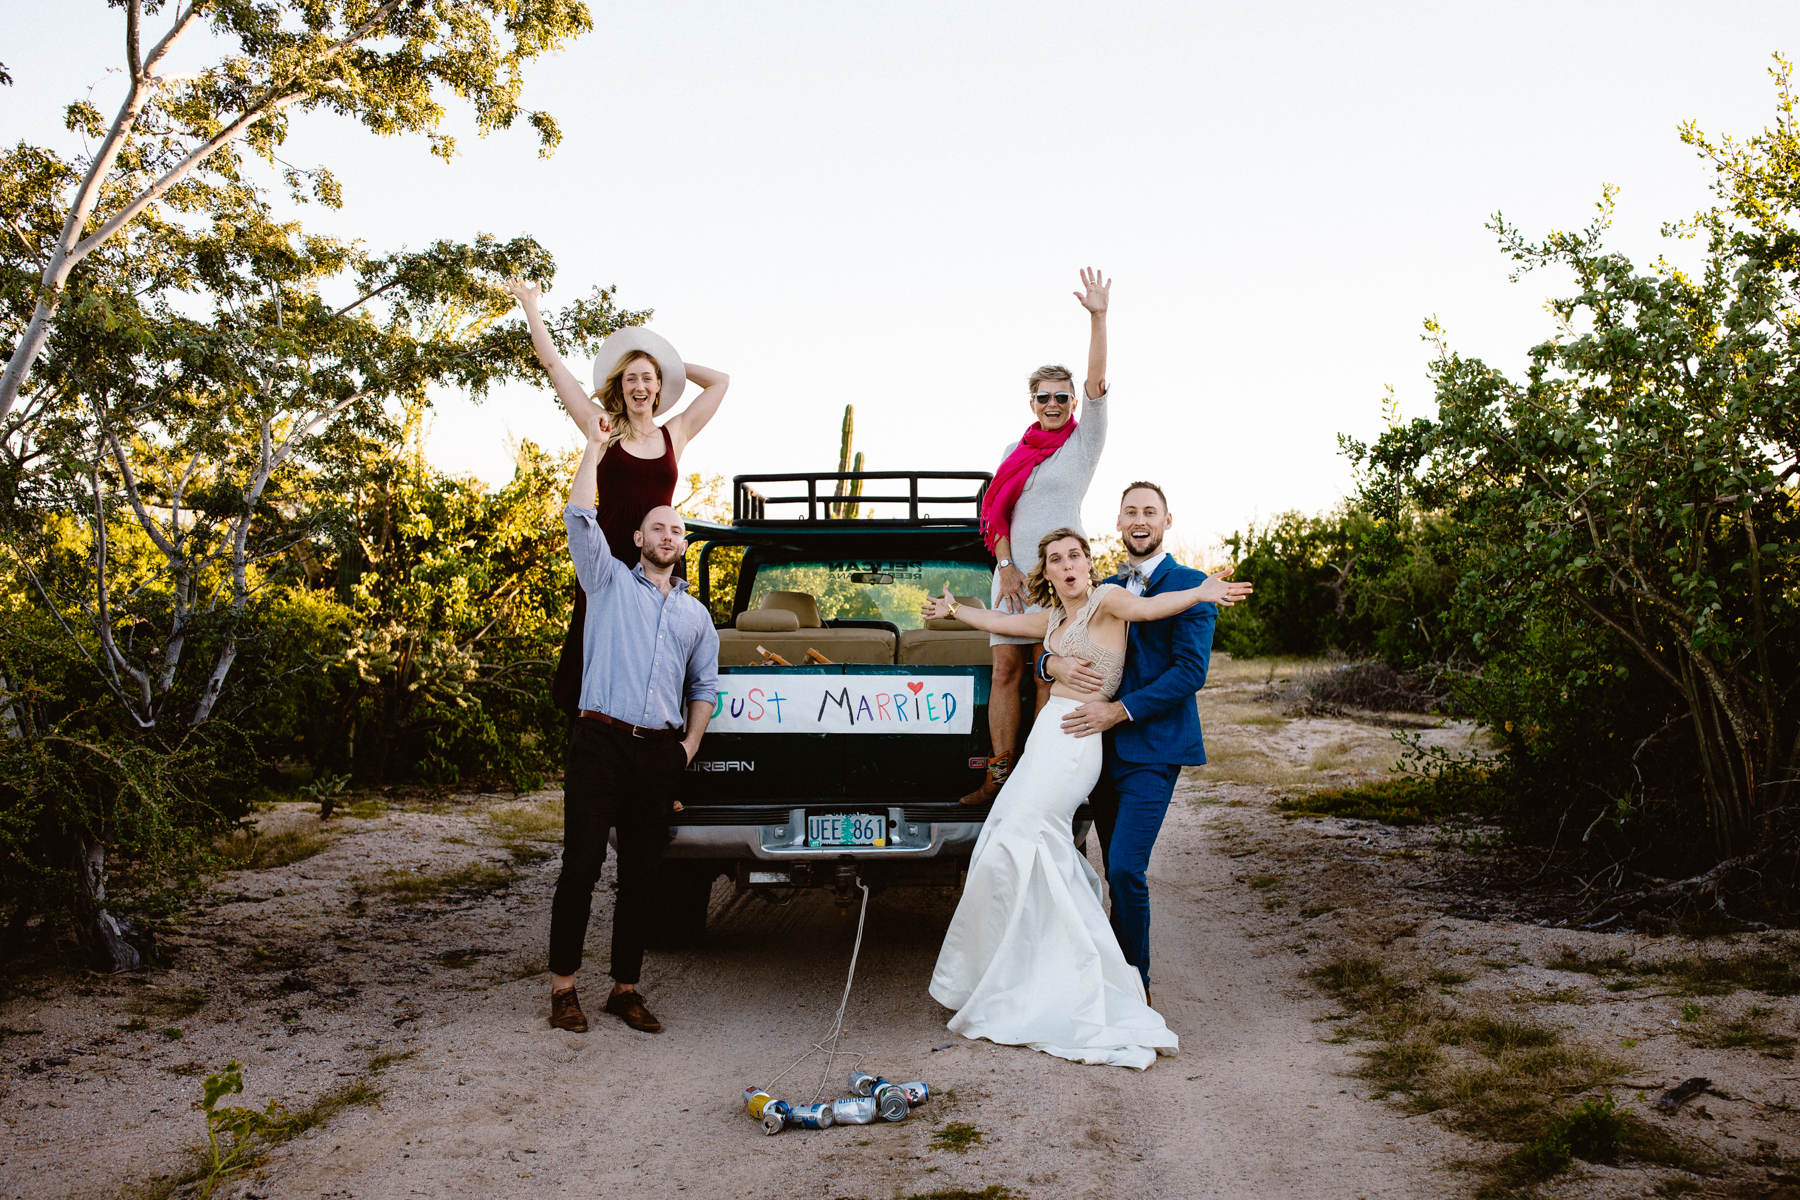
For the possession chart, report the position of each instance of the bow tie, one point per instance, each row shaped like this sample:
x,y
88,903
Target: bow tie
x,y
1133,575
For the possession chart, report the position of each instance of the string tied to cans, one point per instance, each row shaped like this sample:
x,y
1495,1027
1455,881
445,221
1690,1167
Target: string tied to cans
x,y
872,1098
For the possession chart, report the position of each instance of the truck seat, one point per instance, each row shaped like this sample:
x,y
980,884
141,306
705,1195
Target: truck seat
x,y
788,623
946,642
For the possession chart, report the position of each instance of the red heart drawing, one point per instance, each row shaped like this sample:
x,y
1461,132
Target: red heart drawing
x,y
916,688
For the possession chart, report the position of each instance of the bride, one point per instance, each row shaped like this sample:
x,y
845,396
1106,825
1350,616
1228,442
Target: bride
x,y
1029,958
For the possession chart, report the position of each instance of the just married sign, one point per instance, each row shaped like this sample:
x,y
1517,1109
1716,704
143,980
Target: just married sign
x,y
779,703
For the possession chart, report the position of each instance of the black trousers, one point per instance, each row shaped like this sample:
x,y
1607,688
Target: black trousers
x,y
612,782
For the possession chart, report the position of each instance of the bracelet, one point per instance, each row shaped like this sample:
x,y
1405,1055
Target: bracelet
x,y
1043,662
953,610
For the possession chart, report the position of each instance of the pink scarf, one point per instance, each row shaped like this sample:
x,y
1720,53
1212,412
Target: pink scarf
x,y
1034,447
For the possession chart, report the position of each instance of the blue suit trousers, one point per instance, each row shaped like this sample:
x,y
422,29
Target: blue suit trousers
x,y
1129,805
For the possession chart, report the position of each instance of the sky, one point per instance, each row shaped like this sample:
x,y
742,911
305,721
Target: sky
x,y
887,206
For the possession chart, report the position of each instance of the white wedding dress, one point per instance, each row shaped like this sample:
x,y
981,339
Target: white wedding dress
x,y
1029,958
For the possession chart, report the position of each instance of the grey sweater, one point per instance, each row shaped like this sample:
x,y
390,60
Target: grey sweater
x,y
1053,495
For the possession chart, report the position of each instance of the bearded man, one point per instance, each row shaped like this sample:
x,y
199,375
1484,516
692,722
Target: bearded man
x,y
649,679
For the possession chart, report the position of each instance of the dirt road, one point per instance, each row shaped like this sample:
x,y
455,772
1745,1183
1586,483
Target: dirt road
x,y
388,983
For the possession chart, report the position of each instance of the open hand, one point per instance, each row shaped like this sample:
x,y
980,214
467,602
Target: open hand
x,y
525,293
1076,674
1219,588
938,606
1096,290
1096,716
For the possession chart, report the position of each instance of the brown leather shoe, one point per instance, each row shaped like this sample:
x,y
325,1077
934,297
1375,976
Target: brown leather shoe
x,y
565,1012
629,1008
999,767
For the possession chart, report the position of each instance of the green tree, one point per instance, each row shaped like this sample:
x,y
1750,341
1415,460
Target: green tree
x,y
195,379
388,64
1634,571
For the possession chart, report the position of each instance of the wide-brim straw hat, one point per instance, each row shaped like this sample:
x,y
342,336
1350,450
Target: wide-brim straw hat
x,y
635,339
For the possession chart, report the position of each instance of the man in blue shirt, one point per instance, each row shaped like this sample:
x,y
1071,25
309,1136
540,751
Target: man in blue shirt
x,y
649,678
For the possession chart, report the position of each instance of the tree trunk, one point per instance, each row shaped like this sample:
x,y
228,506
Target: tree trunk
x,y
102,935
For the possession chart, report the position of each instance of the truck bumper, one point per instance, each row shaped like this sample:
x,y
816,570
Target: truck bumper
x,y
777,838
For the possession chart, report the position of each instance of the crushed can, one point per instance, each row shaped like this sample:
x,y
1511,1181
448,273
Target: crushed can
x,y
863,1084
916,1092
755,1100
854,1110
775,1116
811,1116
890,1101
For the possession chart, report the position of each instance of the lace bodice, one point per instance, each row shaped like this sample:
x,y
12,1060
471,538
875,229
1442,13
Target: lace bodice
x,y
1076,643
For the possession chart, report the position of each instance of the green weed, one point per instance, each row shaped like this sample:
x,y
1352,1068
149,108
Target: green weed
x,y
957,1136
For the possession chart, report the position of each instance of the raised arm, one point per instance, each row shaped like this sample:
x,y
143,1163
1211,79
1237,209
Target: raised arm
x,y
685,425
576,402
587,543
1094,296
1218,589
1031,624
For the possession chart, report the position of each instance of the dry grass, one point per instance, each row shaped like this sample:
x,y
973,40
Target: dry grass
x,y
1694,974
253,850
409,886
1490,1075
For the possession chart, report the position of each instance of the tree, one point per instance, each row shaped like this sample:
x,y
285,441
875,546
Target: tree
x,y
194,375
1634,510
385,63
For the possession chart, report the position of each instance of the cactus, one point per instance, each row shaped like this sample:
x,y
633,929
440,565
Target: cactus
x,y
850,488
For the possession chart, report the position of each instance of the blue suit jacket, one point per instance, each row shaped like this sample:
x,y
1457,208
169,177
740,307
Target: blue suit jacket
x,y
1165,664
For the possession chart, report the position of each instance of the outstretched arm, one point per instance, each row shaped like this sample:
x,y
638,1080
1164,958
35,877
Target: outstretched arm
x,y
1031,624
587,544
1094,296
579,405
1218,589
687,423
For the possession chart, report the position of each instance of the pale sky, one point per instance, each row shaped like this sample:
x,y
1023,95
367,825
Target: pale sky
x,y
887,206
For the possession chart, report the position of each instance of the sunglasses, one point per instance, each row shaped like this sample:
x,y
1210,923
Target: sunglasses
x,y
1047,397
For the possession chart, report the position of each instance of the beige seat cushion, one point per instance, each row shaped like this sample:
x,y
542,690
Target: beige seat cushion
x,y
802,604
945,648
767,620
737,647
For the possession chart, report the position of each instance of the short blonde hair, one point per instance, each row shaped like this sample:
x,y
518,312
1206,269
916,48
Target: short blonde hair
x,y
1047,372
1038,588
612,394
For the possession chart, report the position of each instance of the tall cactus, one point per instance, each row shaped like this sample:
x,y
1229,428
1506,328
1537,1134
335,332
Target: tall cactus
x,y
850,488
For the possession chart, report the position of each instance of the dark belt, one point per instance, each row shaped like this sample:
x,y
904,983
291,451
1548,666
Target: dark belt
x,y
636,731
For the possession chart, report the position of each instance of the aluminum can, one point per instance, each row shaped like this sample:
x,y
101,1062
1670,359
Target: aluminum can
x,y
811,1116
890,1101
755,1100
863,1084
854,1110
916,1092
775,1116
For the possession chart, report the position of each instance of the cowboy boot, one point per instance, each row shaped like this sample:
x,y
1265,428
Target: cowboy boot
x,y
999,767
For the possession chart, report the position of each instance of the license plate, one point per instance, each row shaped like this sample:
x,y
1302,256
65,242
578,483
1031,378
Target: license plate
x,y
846,829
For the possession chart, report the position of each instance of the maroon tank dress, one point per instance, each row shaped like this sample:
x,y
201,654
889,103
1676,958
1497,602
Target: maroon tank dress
x,y
629,487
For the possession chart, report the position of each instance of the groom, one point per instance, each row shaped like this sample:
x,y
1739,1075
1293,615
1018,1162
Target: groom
x,y
1152,730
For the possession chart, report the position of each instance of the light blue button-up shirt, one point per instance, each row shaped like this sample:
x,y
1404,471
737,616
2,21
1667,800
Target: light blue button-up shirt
x,y
645,654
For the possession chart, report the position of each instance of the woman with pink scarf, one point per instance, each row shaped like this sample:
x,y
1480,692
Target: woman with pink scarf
x,y
1039,487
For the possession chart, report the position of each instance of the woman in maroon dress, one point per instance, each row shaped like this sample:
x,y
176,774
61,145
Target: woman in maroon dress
x,y
636,375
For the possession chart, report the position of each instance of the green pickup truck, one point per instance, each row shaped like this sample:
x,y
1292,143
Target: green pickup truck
x,y
847,763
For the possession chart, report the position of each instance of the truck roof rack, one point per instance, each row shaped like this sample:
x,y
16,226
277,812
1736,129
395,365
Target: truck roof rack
x,y
811,498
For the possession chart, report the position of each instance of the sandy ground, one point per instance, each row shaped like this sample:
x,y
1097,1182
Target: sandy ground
x,y
313,978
